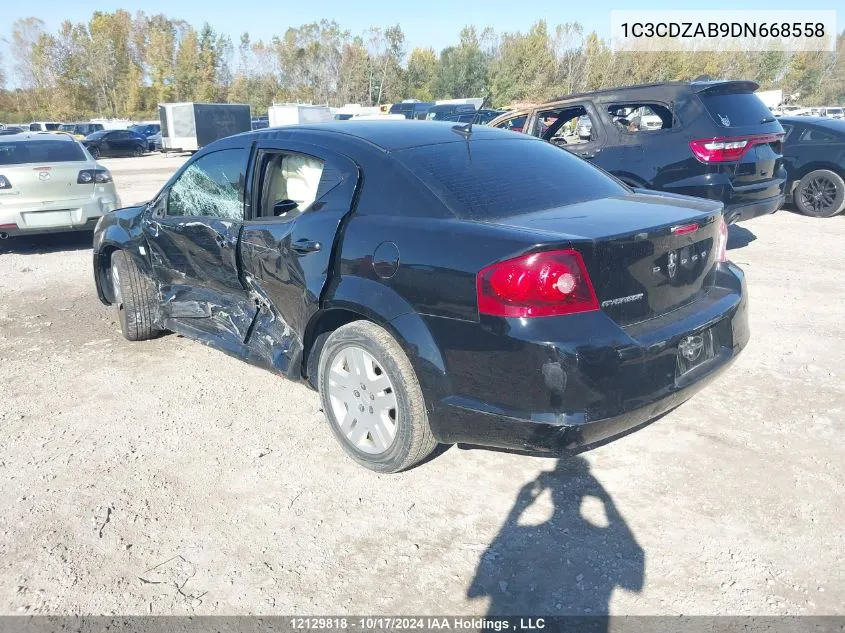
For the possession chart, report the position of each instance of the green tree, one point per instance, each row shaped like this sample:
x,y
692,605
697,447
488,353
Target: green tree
x,y
422,70
462,70
186,75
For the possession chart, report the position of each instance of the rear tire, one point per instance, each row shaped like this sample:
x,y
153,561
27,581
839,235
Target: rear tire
x,y
820,194
136,298
95,152
372,399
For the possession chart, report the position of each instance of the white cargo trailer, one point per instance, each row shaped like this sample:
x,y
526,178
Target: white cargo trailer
x,y
187,127
296,113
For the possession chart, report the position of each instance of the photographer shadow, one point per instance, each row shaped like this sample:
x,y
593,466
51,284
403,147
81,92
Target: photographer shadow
x,y
562,550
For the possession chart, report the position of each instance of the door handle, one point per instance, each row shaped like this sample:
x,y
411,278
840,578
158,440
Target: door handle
x,y
306,246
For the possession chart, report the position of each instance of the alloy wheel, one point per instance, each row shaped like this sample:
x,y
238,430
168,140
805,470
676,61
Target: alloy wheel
x,y
819,194
363,400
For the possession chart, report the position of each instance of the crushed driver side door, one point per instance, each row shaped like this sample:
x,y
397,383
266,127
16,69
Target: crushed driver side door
x,y
301,194
192,229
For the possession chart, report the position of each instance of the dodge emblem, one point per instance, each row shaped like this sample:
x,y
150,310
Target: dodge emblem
x,y
691,347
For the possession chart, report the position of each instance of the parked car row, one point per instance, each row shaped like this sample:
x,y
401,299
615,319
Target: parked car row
x,y
395,264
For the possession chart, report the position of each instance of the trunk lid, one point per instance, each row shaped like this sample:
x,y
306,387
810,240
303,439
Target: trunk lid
x,y
646,254
41,184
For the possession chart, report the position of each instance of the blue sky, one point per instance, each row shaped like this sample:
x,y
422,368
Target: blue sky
x,y
434,23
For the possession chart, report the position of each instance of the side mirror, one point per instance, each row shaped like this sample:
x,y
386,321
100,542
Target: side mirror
x,y
283,207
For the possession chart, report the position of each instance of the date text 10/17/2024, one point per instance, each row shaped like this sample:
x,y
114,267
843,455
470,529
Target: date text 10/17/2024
x,y
431,623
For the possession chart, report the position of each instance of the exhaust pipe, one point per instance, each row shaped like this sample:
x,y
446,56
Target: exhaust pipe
x,y
3,235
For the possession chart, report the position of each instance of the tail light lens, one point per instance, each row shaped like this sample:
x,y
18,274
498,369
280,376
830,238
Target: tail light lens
x,y
541,284
729,148
99,176
722,250
4,183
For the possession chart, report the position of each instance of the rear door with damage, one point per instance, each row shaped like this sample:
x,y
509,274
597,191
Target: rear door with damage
x,y
300,196
192,230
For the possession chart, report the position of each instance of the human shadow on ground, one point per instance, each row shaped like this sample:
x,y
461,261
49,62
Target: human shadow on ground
x,y
562,550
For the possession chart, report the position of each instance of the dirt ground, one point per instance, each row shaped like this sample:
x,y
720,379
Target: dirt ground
x,y
167,478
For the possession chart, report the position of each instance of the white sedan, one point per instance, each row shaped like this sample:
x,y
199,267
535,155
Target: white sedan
x,y
49,183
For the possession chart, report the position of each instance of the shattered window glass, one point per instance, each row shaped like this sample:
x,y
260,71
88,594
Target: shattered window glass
x,y
212,186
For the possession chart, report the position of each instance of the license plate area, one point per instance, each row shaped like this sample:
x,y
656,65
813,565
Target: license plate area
x,y
48,218
696,350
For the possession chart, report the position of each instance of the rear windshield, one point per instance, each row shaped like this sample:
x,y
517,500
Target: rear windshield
x,y
22,152
489,179
736,109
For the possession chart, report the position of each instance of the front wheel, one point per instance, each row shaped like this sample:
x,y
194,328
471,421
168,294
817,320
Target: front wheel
x,y
135,296
95,152
820,194
138,151
372,398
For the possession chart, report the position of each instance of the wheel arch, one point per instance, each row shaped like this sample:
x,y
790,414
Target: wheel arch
x,y
114,237
392,313
815,166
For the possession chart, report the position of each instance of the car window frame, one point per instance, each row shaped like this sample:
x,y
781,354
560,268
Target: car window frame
x,y
157,208
676,122
255,180
816,128
590,109
527,116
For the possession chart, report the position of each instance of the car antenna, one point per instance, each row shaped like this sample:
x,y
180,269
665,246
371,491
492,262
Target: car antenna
x,y
466,130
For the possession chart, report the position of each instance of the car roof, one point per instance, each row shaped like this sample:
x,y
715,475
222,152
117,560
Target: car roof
x,y
644,91
390,135
837,125
38,136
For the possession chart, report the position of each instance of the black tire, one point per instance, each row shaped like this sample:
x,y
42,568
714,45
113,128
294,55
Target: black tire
x,y
413,440
137,301
820,194
94,151
138,151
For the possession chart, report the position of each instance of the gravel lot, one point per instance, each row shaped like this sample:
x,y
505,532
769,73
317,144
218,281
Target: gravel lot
x,y
165,477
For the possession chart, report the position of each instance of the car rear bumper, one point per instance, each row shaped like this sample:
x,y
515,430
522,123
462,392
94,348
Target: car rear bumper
x,y
596,381
743,212
58,216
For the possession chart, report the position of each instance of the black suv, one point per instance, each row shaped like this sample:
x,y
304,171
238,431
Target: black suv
x,y
412,109
710,139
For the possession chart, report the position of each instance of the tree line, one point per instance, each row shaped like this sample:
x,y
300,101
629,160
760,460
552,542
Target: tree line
x,y
120,65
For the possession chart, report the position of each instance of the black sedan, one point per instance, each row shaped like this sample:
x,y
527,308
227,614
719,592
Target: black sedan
x,y
814,156
115,143
433,283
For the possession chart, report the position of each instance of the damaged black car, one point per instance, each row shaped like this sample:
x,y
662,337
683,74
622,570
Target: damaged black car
x,y
435,283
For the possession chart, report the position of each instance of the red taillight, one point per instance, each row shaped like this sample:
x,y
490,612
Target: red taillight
x,y
540,284
727,149
722,250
